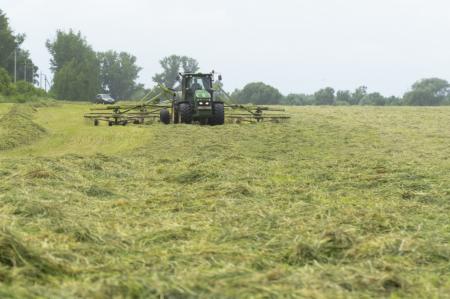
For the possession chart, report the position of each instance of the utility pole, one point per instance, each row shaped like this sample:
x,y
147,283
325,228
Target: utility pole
x,y
46,82
40,79
25,72
15,65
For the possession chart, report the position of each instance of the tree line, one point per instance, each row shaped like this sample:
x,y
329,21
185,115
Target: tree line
x,y
11,51
80,72
426,92
17,70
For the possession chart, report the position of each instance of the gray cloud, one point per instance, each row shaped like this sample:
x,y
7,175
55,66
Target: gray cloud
x,y
295,45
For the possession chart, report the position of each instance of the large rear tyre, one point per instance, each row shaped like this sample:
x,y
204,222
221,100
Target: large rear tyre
x,y
218,118
164,116
185,113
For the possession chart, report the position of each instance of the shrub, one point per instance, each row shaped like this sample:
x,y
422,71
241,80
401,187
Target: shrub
x,y
258,93
373,99
6,87
20,92
325,96
27,88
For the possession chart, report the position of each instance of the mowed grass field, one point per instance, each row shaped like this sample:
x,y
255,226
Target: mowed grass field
x,y
349,202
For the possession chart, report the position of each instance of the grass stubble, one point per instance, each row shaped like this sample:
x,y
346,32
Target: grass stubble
x,y
337,203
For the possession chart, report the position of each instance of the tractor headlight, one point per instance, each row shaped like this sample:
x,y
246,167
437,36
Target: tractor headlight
x,y
207,103
200,103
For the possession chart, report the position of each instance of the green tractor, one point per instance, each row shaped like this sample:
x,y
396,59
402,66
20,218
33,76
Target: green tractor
x,y
195,101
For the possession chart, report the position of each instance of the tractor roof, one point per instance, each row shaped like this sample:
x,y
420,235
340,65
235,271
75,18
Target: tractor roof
x,y
196,75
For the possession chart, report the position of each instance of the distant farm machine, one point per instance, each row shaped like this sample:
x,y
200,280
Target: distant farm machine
x,y
195,100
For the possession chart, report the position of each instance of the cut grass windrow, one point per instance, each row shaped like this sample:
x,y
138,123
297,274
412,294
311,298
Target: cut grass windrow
x,y
338,203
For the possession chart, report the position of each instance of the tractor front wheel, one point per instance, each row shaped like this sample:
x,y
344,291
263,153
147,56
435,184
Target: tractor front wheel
x,y
185,113
164,116
218,118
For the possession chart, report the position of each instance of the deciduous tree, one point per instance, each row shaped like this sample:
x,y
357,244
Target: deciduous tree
x,y
258,93
75,66
373,99
325,96
358,95
428,92
118,74
171,66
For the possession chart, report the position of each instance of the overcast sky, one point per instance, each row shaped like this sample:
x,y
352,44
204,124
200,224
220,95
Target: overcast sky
x,y
294,45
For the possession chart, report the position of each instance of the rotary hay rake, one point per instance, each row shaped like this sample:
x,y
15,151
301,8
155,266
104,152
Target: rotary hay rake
x,y
194,102
146,112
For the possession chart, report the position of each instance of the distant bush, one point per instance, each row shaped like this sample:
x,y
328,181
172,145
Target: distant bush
x,y
27,88
428,92
325,97
373,99
20,92
258,93
342,103
6,87
343,97
394,101
298,100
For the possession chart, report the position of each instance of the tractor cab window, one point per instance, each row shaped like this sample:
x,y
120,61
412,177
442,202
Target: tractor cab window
x,y
206,83
197,84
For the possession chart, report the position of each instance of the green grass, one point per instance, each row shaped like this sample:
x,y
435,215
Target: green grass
x,y
346,202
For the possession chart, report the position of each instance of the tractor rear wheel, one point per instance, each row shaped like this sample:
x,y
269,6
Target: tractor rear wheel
x,y
164,116
185,113
218,118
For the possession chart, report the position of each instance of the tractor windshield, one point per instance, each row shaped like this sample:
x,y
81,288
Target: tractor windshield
x,y
199,83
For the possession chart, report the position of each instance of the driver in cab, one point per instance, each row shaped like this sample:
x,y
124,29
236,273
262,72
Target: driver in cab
x,y
196,86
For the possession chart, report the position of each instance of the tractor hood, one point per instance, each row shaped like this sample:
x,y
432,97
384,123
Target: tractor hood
x,y
202,94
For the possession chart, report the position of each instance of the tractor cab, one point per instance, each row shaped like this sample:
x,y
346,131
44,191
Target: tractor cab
x,y
196,86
